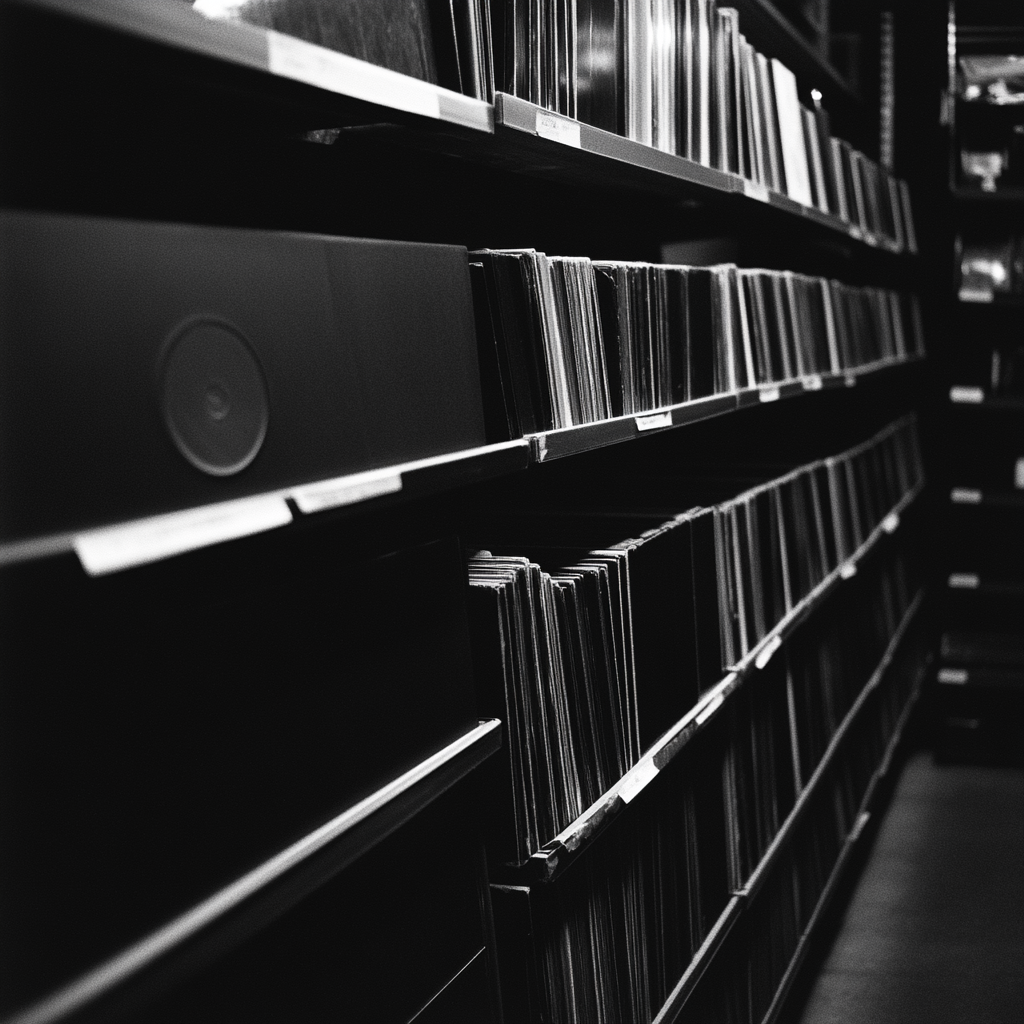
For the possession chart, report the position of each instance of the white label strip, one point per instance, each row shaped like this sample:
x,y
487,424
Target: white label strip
x,y
558,129
636,780
975,295
966,395
813,382
713,705
964,580
891,522
346,490
767,651
755,190
315,65
654,421
149,540
1018,474
956,676
965,496
848,570
862,820
770,394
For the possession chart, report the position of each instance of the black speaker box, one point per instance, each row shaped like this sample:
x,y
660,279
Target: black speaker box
x,y
151,367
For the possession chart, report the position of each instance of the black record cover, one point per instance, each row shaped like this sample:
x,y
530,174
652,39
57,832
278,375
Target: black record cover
x,y
700,331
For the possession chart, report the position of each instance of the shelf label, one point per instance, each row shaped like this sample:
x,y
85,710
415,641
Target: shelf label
x,y
976,295
755,190
813,382
965,496
891,522
848,570
1018,474
851,380
346,490
955,676
558,129
964,580
637,780
541,444
713,705
294,58
654,421
770,394
150,540
767,651
862,820
967,395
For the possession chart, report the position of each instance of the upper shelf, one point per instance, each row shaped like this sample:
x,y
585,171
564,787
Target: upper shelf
x,y
177,25
301,86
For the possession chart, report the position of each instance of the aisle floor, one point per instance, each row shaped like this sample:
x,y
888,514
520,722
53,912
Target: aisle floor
x,y
934,932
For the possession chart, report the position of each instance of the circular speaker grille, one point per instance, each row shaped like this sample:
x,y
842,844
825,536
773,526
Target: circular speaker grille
x,y
214,398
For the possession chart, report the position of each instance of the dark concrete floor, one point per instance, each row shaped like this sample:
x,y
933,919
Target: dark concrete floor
x,y
934,932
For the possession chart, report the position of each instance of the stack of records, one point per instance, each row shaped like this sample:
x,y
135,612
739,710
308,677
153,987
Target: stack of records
x,y
590,655
680,76
777,542
566,341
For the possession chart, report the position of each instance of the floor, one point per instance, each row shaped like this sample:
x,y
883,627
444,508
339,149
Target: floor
x,y
934,932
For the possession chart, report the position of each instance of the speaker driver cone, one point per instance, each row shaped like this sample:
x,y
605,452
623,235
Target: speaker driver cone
x,y
215,402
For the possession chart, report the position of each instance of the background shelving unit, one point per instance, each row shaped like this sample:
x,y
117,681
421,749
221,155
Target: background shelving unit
x,y
308,743
980,433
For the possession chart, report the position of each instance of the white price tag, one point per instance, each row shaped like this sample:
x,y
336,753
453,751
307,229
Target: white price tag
x,y
654,421
813,382
558,129
976,295
637,779
965,496
848,570
149,540
346,490
755,190
770,394
851,380
1018,474
964,580
891,522
769,649
956,676
713,705
971,396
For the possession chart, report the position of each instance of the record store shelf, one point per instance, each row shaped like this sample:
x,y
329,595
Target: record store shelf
x,y
314,86
121,545
559,147
677,1000
555,444
229,916
551,860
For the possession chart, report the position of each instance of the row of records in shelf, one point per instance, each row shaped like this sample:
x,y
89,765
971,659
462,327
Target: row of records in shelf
x,y
791,763
594,648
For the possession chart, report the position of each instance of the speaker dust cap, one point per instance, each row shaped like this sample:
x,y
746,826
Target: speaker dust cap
x,y
215,402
